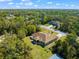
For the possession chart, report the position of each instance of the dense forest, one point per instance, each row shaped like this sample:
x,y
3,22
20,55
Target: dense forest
x,y
16,25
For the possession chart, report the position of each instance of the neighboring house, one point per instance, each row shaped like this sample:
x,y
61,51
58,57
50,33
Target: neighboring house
x,y
10,16
55,24
46,38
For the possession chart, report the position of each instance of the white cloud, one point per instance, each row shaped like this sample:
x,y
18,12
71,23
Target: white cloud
x,y
29,3
25,0
57,4
21,3
66,5
49,2
10,3
49,7
4,0
17,6
72,5
35,5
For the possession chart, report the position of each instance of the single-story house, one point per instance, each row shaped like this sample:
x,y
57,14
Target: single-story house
x,y
10,16
46,38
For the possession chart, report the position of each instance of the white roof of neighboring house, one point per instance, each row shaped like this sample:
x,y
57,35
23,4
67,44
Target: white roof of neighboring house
x,y
55,56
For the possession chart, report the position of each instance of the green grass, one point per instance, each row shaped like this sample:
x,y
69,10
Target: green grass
x,y
63,38
47,24
48,31
27,39
44,30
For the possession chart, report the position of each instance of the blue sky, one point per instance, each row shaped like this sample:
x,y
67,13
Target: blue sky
x,y
39,4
